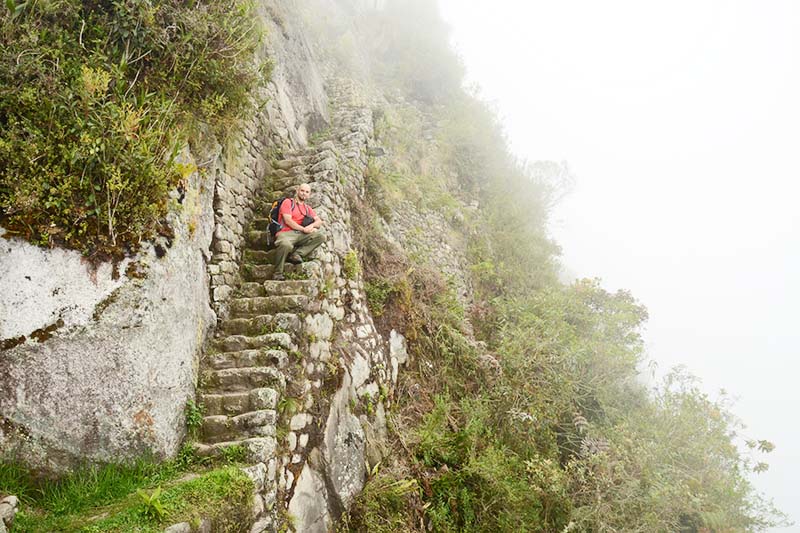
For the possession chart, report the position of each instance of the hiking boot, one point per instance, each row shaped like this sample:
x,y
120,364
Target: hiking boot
x,y
278,276
294,258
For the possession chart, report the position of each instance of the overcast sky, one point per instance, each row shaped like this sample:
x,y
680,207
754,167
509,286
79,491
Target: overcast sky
x,y
681,122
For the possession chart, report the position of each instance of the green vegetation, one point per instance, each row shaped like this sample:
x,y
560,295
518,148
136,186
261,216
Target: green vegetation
x,y
97,98
525,411
143,496
194,418
297,274
383,505
350,266
378,292
153,508
236,454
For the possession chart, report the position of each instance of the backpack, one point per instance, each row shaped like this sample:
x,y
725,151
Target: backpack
x,y
275,226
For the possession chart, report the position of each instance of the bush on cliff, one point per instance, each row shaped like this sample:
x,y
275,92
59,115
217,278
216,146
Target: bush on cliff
x,y
531,416
95,100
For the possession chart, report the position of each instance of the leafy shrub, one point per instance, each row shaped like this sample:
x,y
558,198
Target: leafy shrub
x,y
95,100
194,417
351,266
383,506
152,506
378,292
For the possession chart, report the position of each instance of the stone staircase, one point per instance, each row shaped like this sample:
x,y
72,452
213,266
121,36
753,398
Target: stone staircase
x,y
243,375
273,384
256,373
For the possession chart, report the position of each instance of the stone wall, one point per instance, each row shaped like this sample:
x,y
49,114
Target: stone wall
x,y
322,481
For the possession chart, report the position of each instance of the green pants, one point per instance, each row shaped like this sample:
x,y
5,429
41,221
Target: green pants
x,y
290,241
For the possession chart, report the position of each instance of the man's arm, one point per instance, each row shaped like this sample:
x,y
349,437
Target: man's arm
x,y
311,228
289,221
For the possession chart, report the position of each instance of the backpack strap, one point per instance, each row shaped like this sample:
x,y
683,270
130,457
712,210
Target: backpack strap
x,y
280,215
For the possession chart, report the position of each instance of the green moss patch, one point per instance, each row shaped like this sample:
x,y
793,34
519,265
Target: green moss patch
x,y
223,496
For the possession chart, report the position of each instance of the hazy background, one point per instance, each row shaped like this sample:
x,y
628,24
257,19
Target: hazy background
x,y
681,123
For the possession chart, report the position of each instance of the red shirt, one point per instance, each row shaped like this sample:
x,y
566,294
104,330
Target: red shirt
x,y
297,213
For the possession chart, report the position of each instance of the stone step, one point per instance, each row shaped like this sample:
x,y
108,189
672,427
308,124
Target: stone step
x,y
307,287
236,403
251,289
261,273
246,358
288,163
255,289
222,428
286,185
257,239
237,343
258,256
242,379
242,307
261,223
262,324
257,449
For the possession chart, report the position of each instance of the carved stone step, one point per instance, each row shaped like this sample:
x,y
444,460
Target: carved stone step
x,y
257,449
261,224
262,324
236,343
221,428
258,273
309,269
246,358
307,287
257,239
289,162
268,304
236,403
251,289
242,379
258,256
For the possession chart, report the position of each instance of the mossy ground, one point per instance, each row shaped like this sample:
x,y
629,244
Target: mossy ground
x,y
110,498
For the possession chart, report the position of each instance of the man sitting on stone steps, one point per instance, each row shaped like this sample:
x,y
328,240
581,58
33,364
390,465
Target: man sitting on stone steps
x,y
300,234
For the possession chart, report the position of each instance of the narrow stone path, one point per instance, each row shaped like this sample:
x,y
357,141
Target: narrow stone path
x,y
272,383
242,375
248,372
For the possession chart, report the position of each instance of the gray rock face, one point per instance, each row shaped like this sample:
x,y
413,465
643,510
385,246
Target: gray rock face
x,y
309,504
300,92
344,447
397,347
112,382
34,298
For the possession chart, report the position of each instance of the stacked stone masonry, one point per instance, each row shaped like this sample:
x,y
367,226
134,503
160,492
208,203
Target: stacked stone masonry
x,y
297,375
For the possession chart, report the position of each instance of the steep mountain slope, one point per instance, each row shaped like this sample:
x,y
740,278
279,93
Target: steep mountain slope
x,y
428,355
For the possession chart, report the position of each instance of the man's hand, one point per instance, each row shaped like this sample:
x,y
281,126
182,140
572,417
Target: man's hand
x,y
309,229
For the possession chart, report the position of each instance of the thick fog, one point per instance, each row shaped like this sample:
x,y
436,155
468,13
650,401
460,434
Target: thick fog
x,y
681,123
